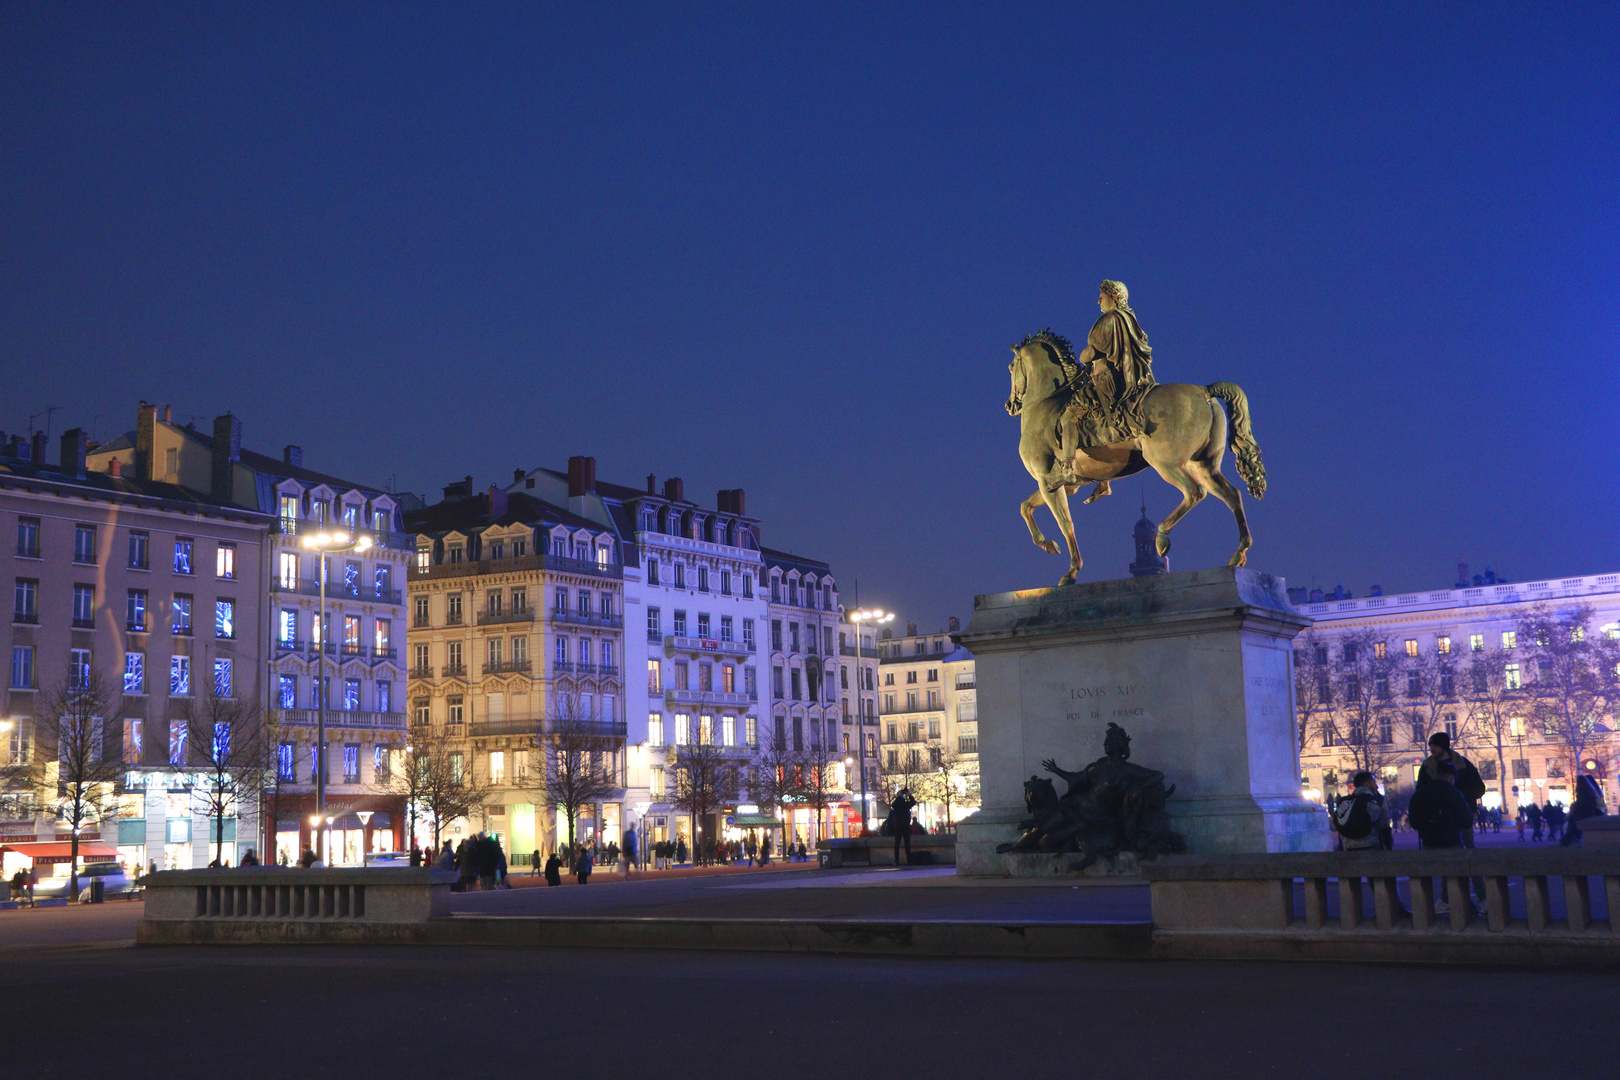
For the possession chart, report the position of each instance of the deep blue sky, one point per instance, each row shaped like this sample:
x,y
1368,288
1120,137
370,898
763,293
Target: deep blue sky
x,y
787,251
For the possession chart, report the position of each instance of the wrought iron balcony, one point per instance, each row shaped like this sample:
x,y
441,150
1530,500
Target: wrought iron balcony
x,y
555,563
506,666
454,671
421,673
716,698
674,644
578,618
344,718
495,618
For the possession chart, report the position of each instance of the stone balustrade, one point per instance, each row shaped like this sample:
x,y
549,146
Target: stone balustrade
x,y
1541,905
273,903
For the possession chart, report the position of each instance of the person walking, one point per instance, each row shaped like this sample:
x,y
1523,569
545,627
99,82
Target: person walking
x,y
553,870
1441,815
900,821
582,868
630,841
1361,820
1533,812
680,851
1555,821
1519,820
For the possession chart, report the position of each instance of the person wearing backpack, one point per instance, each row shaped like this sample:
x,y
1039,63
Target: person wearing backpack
x,y
1361,819
1442,817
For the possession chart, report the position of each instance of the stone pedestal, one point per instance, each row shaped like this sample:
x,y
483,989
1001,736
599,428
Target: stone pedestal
x,y
1196,666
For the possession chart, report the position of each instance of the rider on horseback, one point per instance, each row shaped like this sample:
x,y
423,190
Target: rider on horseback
x,y
1115,372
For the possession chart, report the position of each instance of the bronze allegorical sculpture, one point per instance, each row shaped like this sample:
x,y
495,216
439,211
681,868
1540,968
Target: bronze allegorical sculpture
x,y
1100,416
1111,806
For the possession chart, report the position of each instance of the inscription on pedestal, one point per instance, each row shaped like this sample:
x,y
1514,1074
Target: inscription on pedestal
x,y
1107,701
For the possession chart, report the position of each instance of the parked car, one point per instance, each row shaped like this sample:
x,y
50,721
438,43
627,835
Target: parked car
x,y
115,882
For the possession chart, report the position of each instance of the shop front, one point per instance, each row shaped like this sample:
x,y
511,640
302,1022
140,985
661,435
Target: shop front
x,y
353,827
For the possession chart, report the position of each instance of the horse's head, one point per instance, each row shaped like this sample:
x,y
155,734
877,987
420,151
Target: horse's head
x,y
1039,368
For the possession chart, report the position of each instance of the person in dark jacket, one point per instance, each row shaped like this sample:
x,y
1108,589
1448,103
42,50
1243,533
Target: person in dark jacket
x,y
1469,783
553,870
1442,817
1364,807
582,867
1588,804
900,817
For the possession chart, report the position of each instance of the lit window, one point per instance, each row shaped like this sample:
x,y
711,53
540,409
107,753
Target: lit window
x,y
134,673
224,618
182,556
1476,642
222,678
1510,639
1411,647
179,676
1510,676
225,561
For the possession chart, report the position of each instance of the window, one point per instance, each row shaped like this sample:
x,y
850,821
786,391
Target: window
x,y
750,683
793,637
382,637
748,587
583,603
452,609
911,677
79,668
84,606
683,729
726,628
680,575
379,762
421,613
725,582
222,677
776,683
422,711
225,562
1380,650
655,729
225,618
703,625
1510,639
1521,768
177,742
655,631
28,538
1443,645
679,625
520,652
706,678
25,608
179,676
497,766
705,730
135,610
776,635
492,602
289,513
351,695
703,579
1476,642
793,684
728,731
748,632
351,763
287,761
607,657
287,692
182,555
1411,647
560,653
134,673
492,656
351,634
681,675
182,614
1510,676
453,705
520,601
84,544
132,741
652,571
287,570
1414,684
728,679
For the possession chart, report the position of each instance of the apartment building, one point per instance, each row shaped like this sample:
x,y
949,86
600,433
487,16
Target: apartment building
x,y
929,721
517,622
155,594
345,661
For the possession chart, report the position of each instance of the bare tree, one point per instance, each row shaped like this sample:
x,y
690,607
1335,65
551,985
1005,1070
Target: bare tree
x,y
955,782
579,753
226,748
1313,683
816,786
437,781
1361,717
1493,703
778,782
704,781
1431,690
1575,680
72,721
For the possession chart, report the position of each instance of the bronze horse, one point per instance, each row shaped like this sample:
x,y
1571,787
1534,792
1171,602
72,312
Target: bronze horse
x,y
1185,439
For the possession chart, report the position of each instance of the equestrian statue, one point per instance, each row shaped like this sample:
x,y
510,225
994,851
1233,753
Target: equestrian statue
x,y
1096,417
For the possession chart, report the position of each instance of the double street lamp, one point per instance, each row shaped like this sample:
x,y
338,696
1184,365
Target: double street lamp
x,y
876,616
325,545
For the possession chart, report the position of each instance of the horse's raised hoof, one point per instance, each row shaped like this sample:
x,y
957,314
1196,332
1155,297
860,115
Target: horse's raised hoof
x,y
1067,579
1098,492
1162,544
1240,559
1049,547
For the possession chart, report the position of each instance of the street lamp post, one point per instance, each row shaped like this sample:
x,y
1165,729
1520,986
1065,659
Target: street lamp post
x,y
324,545
876,616
365,819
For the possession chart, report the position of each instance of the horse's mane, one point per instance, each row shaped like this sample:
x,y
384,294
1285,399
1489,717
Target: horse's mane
x,y
1058,344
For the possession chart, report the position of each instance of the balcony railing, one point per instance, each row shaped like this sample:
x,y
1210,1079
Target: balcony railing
x,y
394,541
336,590
495,618
849,650
25,618
607,671
576,618
453,671
294,645
343,718
555,563
486,728
562,666
717,698
421,620
674,644
966,684
421,673
506,666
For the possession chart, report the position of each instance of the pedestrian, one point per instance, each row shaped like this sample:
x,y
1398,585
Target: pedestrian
x,y
629,851
1533,812
1588,804
1360,820
553,869
308,859
249,858
534,864
582,868
1441,816
900,822
500,864
1469,784
1554,813
1519,819
680,851
446,859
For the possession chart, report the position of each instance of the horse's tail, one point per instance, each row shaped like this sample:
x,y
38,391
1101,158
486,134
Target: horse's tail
x,y
1247,450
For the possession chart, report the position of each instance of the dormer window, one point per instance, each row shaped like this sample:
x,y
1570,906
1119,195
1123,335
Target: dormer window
x,y
289,509
351,516
497,550
454,552
380,520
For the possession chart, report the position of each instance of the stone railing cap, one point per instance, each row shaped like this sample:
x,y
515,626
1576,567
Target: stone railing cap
x,y
294,875
1495,862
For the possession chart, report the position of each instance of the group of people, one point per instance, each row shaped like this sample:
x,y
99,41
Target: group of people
x,y
479,862
1444,811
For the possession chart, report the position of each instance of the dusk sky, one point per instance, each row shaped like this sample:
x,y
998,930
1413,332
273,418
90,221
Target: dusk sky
x,y
786,248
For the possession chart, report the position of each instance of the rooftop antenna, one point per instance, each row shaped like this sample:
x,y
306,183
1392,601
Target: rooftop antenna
x,y
46,413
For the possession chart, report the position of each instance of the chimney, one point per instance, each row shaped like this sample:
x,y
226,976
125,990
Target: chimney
x,y
458,489
1462,574
652,484
227,452
674,490
497,503
517,474
168,415
115,468
74,447
581,476
954,625
37,448
17,448
1375,590
738,503
911,629
292,455
145,440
